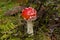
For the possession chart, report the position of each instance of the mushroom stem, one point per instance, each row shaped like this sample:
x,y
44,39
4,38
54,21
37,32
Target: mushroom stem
x,y
30,27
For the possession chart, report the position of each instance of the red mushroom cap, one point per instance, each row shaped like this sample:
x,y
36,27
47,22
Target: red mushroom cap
x,y
29,13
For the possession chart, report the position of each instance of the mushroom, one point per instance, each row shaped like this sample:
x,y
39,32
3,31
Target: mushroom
x,y
29,14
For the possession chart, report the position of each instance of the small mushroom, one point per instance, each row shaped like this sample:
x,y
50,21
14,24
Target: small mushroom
x,y
29,14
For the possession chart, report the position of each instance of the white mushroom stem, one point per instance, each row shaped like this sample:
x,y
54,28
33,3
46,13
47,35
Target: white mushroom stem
x,y
30,27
